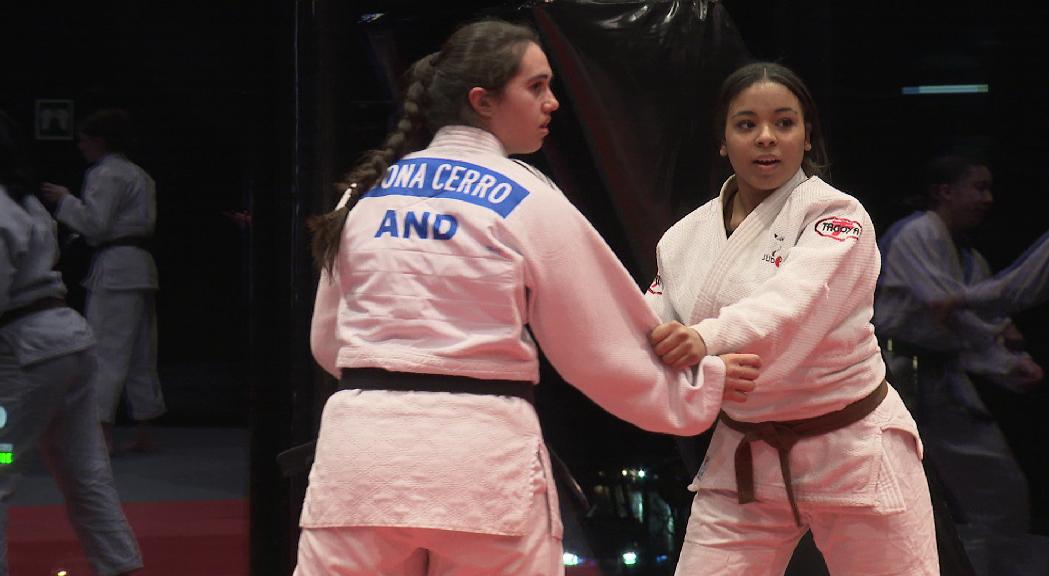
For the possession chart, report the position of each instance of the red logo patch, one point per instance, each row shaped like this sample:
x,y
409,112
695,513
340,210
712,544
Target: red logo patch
x,y
656,287
840,229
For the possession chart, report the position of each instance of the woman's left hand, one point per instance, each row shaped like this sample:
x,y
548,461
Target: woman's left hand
x,y
677,345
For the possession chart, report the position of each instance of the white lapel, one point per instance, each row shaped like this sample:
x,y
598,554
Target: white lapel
x,y
728,256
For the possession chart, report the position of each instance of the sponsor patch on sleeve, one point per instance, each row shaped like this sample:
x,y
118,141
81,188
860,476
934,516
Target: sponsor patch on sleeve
x,y
840,229
656,287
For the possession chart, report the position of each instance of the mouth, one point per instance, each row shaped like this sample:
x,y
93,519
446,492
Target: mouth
x,y
767,161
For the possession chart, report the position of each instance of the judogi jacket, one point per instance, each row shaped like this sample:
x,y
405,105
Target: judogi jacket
x,y
118,201
1024,284
923,265
794,283
28,252
458,262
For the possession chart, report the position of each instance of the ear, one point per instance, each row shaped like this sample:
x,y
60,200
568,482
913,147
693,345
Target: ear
x,y
808,130
941,192
481,101
723,152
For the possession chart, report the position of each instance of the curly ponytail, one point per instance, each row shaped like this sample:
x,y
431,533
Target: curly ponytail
x,y
409,135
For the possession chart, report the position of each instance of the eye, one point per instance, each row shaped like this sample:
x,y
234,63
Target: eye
x,y
538,87
744,124
786,123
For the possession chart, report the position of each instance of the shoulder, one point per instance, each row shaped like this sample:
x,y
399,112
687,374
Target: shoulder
x,y
921,225
535,172
15,223
36,210
693,223
119,168
815,199
816,192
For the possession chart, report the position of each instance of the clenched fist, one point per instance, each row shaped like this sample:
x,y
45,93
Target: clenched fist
x,y
740,372
677,345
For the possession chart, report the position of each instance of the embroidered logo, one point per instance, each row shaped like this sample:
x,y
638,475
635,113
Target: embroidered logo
x,y
656,287
840,229
772,256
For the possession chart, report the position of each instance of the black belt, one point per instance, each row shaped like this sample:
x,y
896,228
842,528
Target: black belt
x,y
379,379
31,308
143,242
301,456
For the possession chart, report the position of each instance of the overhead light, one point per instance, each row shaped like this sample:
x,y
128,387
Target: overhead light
x,y
629,558
945,89
570,559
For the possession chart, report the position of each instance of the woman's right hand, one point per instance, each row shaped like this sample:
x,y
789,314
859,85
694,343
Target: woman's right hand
x,y
53,193
740,372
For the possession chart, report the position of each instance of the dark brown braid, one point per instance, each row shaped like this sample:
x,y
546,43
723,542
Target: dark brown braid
x,y
408,136
484,54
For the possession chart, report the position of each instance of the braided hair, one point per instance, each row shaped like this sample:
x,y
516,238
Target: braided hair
x,y
484,54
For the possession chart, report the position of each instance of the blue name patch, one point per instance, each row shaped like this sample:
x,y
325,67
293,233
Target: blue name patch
x,y
452,179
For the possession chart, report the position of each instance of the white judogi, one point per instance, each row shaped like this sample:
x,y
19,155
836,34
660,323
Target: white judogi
x,y
794,284
119,201
46,364
1022,285
450,266
922,265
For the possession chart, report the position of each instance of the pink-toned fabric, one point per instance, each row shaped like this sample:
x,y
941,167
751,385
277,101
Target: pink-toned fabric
x,y
795,283
726,538
800,294
421,551
451,265
791,284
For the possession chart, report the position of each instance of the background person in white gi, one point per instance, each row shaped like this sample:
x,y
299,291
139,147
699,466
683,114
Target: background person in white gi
x,y
782,265
46,394
431,460
1024,284
116,213
928,259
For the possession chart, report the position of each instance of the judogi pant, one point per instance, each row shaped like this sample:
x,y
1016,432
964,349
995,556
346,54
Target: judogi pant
x,y
726,538
124,323
50,404
978,469
391,551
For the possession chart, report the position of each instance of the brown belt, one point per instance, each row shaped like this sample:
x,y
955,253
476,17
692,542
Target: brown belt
x,y
31,308
784,435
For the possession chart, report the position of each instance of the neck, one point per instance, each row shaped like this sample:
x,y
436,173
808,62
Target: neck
x,y
949,221
747,199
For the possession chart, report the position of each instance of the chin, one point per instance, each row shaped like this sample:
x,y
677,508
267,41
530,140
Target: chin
x,y
530,149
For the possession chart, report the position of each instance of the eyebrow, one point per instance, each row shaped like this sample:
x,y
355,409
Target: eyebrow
x,y
777,111
541,76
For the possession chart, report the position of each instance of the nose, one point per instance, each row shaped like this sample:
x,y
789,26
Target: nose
x,y
551,103
766,136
